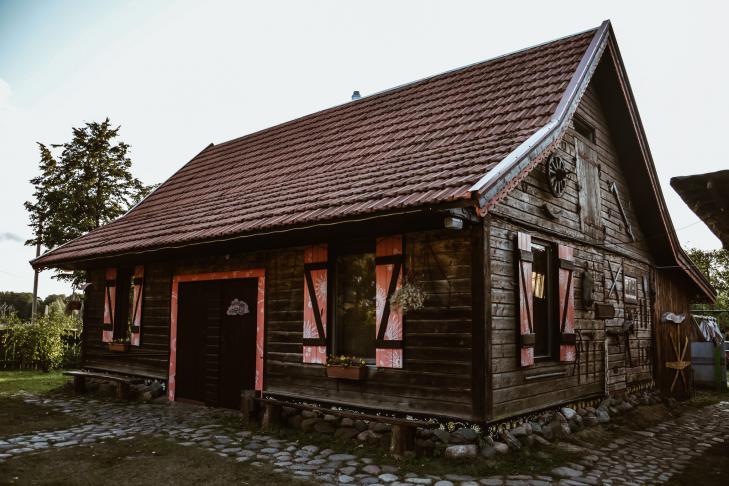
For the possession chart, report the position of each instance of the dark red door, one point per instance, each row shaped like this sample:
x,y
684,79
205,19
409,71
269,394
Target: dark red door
x,y
191,336
238,339
216,341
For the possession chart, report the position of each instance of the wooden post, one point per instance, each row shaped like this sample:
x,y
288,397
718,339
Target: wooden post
x,y
247,405
34,307
122,390
79,385
402,440
271,416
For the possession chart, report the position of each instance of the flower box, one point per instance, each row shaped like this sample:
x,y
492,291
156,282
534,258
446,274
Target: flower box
x,y
357,373
119,347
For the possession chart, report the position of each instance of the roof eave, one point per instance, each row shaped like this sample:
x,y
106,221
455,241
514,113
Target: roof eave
x,y
493,186
498,182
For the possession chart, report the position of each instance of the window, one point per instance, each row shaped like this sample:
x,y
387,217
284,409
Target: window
x,y
584,129
124,304
543,276
354,306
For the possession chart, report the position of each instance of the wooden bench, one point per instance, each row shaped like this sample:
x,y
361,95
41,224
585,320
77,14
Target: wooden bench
x,y
402,439
122,382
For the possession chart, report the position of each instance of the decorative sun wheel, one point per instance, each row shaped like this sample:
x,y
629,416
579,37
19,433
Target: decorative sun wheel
x,y
557,173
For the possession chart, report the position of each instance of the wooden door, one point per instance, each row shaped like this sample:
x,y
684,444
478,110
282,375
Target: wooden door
x,y
237,339
672,339
191,337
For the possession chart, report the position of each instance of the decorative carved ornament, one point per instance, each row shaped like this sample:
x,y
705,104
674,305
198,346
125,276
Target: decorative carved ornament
x,y
557,173
238,308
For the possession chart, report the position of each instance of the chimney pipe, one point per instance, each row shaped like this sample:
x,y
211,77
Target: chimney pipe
x,y
356,95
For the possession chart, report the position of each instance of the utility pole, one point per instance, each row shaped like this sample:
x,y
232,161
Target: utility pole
x,y
35,283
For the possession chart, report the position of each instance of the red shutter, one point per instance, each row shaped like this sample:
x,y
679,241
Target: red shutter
x,y
526,298
135,309
315,309
566,256
388,279
107,328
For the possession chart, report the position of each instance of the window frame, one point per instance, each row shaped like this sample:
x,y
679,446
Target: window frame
x,y
584,129
552,290
337,249
124,287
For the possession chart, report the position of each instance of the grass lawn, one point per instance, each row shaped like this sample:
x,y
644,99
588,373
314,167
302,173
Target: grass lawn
x,y
140,461
35,382
18,417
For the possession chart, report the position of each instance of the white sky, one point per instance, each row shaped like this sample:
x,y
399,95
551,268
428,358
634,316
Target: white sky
x,y
179,75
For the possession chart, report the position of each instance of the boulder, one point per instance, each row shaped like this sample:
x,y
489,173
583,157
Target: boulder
x,y
510,440
460,451
345,433
442,435
360,425
307,424
368,436
501,448
464,436
324,427
568,413
488,451
294,421
541,440
602,415
379,427
519,431
347,422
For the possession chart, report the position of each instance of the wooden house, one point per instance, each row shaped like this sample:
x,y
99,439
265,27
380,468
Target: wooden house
x,y
518,196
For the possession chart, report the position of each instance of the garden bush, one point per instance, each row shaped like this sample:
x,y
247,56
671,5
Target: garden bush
x,y
47,343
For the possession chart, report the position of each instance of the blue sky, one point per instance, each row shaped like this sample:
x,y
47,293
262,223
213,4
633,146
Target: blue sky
x,y
179,75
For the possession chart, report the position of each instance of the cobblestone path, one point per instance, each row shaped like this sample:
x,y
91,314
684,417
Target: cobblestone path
x,y
650,456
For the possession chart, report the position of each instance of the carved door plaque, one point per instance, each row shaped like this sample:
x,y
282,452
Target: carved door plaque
x,y
237,308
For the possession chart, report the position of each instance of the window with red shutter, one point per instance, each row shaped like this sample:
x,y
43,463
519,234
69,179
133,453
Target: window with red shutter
x,y
525,288
107,328
315,304
388,277
566,303
136,298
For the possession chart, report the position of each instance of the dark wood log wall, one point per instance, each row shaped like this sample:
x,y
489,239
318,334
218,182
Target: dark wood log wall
x,y
436,376
517,389
152,358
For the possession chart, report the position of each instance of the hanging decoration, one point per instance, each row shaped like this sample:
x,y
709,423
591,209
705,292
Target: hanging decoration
x,y
238,308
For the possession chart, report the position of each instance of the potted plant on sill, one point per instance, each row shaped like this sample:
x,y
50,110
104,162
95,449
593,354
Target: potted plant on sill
x,y
346,367
119,346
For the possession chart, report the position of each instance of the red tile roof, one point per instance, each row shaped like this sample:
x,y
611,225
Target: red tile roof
x,y
423,143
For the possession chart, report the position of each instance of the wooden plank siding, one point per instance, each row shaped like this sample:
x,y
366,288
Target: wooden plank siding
x,y
518,390
435,379
436,374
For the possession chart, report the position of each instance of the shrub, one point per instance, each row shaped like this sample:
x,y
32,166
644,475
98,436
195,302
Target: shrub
x,y
43,343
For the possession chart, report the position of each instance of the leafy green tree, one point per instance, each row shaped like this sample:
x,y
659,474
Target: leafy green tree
x,y
53,298
715,265
83,184
18,303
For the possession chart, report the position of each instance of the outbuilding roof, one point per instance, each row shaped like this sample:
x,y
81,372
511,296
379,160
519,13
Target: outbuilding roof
x,y
423,143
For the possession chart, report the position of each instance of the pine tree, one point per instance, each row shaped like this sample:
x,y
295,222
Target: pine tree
x,y
88,184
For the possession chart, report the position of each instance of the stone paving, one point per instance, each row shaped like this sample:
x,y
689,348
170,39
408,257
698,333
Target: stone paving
x,y
649,456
